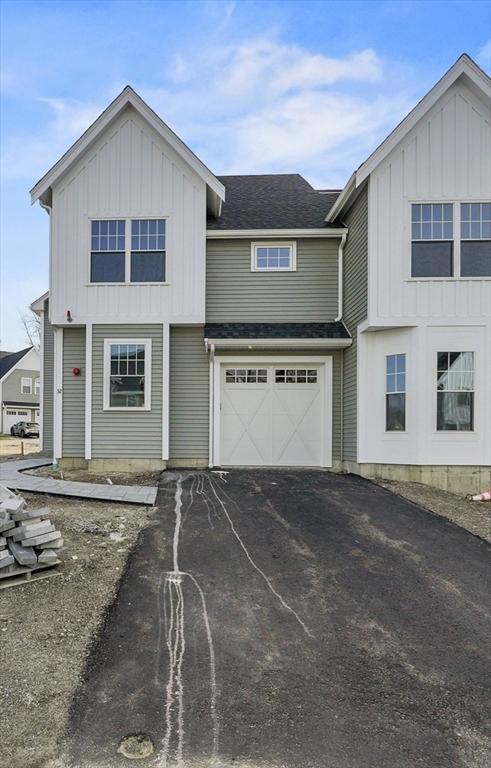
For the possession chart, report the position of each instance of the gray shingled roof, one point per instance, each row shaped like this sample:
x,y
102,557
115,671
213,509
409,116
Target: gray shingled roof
x,y
334,330
8,361
279,201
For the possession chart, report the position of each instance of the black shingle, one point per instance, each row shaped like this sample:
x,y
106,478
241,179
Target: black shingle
x,y
334,330
280,201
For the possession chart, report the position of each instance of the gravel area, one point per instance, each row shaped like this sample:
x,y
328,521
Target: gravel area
x,y
81,475
474,516
46,627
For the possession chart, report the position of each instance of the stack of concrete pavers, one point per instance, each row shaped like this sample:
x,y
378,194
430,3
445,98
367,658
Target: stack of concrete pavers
x,y
27,537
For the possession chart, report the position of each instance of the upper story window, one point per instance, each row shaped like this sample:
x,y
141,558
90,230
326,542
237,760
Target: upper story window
x,y
273,257
475,235
455,391
451,240
148,251
128,251
127,371
26,385
37,386
432,240
395,393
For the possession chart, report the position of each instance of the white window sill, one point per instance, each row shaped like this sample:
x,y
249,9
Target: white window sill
x,y
129,408
105,285
443,279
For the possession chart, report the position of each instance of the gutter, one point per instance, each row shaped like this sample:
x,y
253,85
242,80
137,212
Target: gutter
x,y
340,276
290,343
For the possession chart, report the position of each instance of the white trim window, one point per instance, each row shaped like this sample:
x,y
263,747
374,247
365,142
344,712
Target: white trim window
x,y
107,251
128,251
127,374
395,393
432,240
274,257
455,392
26,385
475,237
147,251
37,386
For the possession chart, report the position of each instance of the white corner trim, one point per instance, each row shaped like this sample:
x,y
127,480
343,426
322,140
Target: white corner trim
x,y
147,374
88,391
340,276
221,234
41,379
165,390
292,245
211,403
58,394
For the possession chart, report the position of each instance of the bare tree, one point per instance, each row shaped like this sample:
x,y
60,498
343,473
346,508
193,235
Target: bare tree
x,y
32,328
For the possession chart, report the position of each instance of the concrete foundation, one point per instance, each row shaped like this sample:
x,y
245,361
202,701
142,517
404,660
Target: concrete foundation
x,y
187,463
73,463
125,465
458,479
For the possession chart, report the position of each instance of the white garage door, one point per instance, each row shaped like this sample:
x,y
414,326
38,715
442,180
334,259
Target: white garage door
x,y
274,415
11,416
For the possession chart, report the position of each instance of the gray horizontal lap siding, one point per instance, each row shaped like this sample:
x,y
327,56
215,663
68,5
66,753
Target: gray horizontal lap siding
x,y
354,312
11,386
73,424
127,434
48,382
189,394
234,293
336,379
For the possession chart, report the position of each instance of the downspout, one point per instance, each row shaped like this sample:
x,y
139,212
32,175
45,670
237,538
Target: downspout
x,y
211,349
340,277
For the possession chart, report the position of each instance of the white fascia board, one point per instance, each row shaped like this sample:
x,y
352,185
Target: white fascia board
x,y
127,97
217,234
38,304
272,343
463,66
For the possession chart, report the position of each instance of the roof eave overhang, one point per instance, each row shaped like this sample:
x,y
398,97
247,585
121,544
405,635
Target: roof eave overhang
x,y
127,97
216,234
37,305
289,343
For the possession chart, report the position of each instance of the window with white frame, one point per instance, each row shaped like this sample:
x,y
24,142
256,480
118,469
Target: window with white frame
x,y
475,239
273,257
128,251
37,386
432,240
455,391
295,376
246,376
395,393
26,385
127,371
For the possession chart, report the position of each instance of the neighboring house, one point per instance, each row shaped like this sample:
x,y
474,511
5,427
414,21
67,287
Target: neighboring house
x,y
195,320
19,387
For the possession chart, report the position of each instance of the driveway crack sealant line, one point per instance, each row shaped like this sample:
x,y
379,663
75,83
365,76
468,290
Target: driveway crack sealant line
x,y
255,566
173,609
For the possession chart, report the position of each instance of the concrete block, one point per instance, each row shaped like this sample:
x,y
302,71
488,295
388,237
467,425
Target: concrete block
x,y
24,514
56,544
3,541
5,525
12,505
49,557
6,561
21,532
23,555
35,541
4,554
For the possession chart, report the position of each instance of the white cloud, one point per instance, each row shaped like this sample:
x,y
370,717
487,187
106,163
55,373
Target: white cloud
x,y
483,57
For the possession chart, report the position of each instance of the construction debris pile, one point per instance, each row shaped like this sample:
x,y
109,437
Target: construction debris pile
x,y
28,540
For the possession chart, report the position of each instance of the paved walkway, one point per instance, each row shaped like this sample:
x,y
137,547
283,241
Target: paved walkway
x,y
12,475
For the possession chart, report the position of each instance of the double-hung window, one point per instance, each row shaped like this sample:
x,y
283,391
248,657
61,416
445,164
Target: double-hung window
x,y
26,385
127,372
395,393
128,251
37,386
455,391
273,257
475,239
432,240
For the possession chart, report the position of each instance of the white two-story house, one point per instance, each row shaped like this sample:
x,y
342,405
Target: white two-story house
x,y
195,320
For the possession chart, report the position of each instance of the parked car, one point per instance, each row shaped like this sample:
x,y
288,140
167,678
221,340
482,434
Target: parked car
x,y
25,429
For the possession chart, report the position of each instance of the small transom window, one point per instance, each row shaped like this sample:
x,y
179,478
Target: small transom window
x,y
246,375
295,376
277,257
127,374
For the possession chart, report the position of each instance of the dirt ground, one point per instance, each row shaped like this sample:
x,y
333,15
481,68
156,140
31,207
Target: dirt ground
x,y
46,627
13,446
474,516
81,475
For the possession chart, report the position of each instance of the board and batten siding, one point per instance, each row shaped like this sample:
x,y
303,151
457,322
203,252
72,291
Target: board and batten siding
x,y
189,394
234,293
129,172
127,434
48,381
73,423
355,292
223,354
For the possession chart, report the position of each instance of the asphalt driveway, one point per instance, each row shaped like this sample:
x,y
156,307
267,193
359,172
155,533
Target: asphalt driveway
x,y
275,619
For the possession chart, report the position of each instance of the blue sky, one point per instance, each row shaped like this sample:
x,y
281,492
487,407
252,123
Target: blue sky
x,y
251,87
